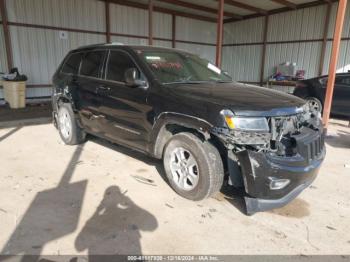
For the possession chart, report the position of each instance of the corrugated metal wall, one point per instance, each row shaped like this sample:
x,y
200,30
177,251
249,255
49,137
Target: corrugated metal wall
x,y
243,62
37,52
284,30
303,24
128,20
305,55
188,29
79,14
3,59
247,31
195,30
3,62
134,21
162,25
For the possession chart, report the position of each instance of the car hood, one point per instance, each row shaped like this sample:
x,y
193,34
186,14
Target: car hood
x,y
242,99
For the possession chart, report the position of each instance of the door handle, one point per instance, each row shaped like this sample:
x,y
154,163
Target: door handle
x,y
104,88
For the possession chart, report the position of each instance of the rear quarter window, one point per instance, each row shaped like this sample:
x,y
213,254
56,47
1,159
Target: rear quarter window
x,y
71,66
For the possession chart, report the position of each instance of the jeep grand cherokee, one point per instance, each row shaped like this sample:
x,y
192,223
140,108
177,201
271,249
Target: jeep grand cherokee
x,y
178,107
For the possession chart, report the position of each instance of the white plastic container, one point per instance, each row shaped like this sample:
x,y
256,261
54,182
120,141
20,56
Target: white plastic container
x,y
15,93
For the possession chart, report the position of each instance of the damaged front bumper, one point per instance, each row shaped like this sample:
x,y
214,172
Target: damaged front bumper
x,y
260,171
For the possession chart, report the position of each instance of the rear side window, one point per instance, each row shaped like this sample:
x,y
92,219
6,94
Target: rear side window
x,y
342,80
347,81
91,65
118,63
71,66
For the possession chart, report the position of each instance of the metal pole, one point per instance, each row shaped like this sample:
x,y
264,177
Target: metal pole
x,y
334,60
7,35
220,32
325,33
263,57
173,38
108,25
150,22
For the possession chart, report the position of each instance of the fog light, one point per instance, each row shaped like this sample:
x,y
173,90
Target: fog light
x,y
276,183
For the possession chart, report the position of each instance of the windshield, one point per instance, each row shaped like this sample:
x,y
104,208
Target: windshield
x,y
175,67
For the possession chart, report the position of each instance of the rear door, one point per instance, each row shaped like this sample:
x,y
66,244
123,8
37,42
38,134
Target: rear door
x,y
341,97
126,108
89,81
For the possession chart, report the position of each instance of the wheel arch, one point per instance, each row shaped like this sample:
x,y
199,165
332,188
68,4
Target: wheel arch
x,y
65,99
60,99
169,124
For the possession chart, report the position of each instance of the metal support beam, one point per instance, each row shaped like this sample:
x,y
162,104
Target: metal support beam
x,y
161,10
173,29
7,35
150,22
334,60
325,35
246,6
108,23
263,58
285,3
219,32
199,7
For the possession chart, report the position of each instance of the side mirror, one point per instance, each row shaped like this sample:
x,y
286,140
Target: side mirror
x,y
132,78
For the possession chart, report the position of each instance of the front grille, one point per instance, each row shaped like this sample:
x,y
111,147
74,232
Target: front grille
x,y
310,143
315,147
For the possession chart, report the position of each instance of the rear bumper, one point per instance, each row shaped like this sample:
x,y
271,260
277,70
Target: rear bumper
x,y
259,169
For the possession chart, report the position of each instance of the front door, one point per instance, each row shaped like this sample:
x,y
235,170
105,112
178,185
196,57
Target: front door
x,y
126,108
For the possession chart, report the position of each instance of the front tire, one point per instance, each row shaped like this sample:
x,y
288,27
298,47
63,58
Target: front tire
x,y
193,167
315,104
69,130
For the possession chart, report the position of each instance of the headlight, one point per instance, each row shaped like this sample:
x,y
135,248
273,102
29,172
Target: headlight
x,y
245,123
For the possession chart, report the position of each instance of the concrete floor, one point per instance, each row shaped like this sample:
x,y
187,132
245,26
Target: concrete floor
x,y
99,198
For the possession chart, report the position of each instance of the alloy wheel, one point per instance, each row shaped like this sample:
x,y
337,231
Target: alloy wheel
x,y
184,169
65,123
314,104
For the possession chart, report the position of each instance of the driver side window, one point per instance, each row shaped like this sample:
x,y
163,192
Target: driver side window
x,y
118,63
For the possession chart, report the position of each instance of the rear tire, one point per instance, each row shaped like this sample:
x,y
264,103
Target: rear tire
x,y
193,167
69,130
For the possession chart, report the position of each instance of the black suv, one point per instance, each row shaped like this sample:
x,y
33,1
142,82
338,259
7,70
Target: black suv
x,y
178,107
